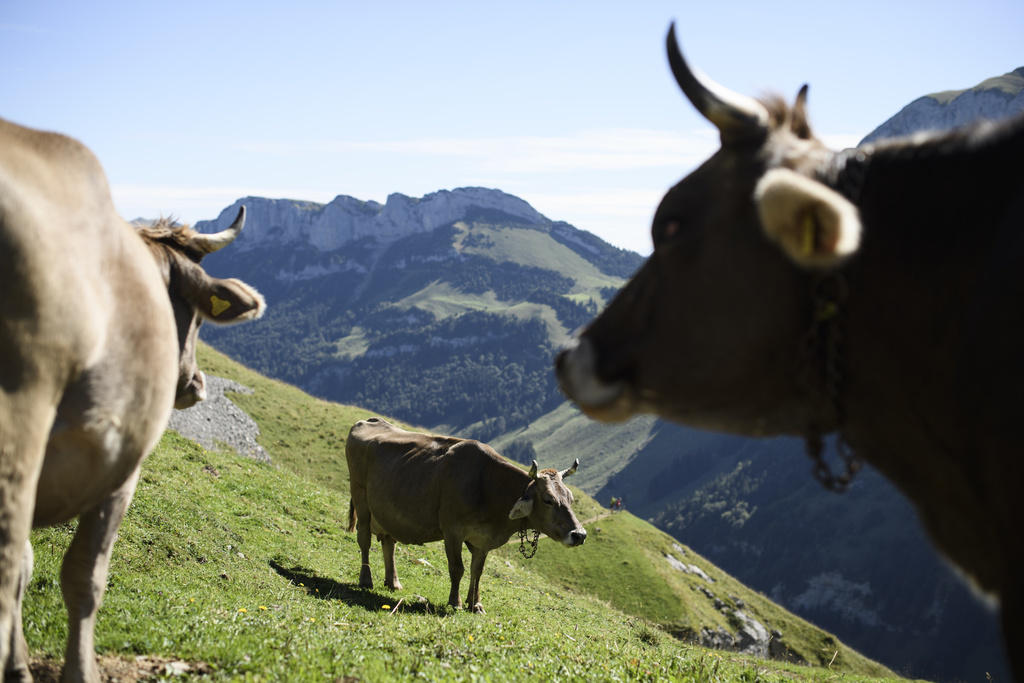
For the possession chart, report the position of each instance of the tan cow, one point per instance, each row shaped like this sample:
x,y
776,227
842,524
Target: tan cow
x,y
97,343
416,488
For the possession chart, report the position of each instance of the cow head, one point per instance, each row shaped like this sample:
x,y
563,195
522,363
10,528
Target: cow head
x,y
709,331
195,296
547,504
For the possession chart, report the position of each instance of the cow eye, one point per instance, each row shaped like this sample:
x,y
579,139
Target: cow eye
x,y
672,233
548,500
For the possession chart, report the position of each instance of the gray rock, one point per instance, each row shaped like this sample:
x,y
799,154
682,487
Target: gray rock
x,y
327,227
992,99
217,422
753,638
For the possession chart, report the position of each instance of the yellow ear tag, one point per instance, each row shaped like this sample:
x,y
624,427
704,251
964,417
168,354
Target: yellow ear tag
x,y
218,305
807,245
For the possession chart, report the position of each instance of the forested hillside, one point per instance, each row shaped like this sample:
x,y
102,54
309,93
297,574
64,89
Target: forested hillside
x,y
450,325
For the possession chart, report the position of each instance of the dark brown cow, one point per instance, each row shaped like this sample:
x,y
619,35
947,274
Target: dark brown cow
x,y
875,293
97,343
416,488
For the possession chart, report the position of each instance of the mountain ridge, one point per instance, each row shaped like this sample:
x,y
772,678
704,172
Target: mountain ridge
x,y
993,99
345,219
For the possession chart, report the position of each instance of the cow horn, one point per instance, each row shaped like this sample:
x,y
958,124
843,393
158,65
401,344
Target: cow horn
x,y
571,470
533,470
218,240
735,115
798,115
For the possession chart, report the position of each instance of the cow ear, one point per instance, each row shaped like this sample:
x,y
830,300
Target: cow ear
x,y
522,508
222,301
230,301
815,225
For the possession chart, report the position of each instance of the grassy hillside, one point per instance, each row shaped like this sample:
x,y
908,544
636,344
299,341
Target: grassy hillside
x,y
244,571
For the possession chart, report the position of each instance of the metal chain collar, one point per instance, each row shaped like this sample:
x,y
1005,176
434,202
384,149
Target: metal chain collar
x,y
823,345
533,543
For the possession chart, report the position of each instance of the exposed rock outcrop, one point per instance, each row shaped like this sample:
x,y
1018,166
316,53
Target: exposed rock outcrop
x,y
993,99
327,227
217,422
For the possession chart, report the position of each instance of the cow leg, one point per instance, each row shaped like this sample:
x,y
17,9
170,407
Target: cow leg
x,y
363,535
453,549
83,578
24,429
387,545
476,570
16,668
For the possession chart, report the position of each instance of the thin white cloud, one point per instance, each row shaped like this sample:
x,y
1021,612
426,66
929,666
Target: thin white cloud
x,y
194,203
173,192
841,140
595,150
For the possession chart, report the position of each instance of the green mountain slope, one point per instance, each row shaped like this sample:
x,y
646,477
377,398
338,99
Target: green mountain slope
x,y
243,570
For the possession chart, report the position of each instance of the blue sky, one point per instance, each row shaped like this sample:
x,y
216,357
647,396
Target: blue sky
x,y
190,105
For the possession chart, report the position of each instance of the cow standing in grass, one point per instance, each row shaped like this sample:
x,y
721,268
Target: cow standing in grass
x,y
417,488
98,329
877,293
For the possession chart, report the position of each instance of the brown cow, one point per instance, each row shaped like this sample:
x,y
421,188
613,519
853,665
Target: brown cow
x,y
97,343
874,292
416,488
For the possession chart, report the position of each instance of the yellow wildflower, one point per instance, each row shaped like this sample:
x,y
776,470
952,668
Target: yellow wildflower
x,y
385,606
242,610
263,608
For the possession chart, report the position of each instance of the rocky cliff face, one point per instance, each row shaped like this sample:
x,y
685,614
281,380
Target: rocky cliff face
x,y
993,98
327,227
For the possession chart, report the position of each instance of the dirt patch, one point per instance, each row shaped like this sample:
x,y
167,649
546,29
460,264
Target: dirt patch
x,y
122,670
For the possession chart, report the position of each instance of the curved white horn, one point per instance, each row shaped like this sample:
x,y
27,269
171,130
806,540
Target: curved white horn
x,y
218,240
734,115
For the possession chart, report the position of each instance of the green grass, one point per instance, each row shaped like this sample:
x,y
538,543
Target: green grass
x,y
567,430
444,301
537,249
247,568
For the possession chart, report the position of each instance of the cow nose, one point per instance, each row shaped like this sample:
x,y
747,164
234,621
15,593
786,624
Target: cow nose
x,y
576,370
578,537
193,392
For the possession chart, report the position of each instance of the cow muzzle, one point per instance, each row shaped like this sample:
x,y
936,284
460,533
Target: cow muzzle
x,y
193,392
576,537
576,369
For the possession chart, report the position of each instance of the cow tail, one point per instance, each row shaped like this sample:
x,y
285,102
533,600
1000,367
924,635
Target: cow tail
x,y
351,516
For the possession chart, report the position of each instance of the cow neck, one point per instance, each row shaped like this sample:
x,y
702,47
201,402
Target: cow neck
x,y
824,343
846,172
823,366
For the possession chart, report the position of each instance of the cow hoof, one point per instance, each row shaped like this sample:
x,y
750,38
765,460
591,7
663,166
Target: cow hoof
x,y
20,673
478,609
395,585
365,578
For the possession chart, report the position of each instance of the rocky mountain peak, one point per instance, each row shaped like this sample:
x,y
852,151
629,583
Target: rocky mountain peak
x,y
345,219
994,98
